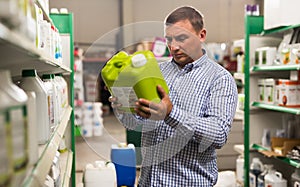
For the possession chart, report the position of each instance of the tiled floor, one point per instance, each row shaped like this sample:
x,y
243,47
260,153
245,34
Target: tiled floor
x,y
91,149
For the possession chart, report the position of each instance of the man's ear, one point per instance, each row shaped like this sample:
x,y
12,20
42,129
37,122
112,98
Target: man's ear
x,y
202,35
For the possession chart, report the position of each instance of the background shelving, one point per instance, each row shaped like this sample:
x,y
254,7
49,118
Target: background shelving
x,y
18,53
259,116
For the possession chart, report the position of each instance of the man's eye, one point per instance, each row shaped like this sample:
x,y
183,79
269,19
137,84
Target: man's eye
x,y
181,38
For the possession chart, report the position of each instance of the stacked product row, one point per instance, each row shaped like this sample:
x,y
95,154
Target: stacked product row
x,y
26,17
282,92
264,175
30,110
287,53
89,116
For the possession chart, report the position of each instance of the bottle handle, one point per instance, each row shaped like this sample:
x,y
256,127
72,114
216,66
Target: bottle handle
x,y
296,184
278,174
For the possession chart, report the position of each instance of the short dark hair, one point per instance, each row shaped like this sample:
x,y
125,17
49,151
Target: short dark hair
x,y
186,13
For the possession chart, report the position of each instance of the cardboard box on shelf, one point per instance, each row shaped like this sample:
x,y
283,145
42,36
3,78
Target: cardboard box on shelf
x,y
282,146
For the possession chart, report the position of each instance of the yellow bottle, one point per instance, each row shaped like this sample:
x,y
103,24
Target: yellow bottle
x,y
129,77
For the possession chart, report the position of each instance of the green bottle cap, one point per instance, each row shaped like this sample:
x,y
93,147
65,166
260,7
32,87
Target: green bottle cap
x,y
47,76
29,73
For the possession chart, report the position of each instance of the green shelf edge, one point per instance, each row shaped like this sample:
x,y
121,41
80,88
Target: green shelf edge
x,y
295,111
284,159
276,68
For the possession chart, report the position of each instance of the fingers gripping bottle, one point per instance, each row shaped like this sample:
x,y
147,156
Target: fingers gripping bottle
x,y
130,77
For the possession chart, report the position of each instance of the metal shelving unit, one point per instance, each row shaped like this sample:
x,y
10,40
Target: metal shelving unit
x,y
267,115
64,24
17,53
39,172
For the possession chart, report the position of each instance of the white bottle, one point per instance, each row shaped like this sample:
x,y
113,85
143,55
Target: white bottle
x,y
31,82
6,161
240,168
16,119
100,174
274,179
33,152
63,90
256,168
52,100
65,102
59,90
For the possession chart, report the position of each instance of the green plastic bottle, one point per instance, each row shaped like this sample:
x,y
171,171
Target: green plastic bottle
x,y
130,77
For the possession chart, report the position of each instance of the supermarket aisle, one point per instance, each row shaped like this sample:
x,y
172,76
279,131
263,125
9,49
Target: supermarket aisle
x,y
91,149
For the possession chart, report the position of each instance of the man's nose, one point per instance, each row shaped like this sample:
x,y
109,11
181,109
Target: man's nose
x,y
174,45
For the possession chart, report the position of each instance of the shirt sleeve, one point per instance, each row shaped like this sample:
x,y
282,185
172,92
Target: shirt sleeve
x,y
212,128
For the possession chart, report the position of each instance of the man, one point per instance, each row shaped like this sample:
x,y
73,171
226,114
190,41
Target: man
x,y
181,133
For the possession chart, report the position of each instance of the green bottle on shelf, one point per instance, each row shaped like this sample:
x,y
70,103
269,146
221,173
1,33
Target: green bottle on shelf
x,y
129,77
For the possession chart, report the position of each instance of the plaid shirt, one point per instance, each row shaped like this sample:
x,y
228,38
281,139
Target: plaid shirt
x,y
180,150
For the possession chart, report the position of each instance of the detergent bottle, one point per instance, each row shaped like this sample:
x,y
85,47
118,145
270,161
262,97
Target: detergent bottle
x,y
130,77
31,82
15,110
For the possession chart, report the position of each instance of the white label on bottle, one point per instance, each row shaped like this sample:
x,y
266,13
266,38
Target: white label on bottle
x,y
18,131
4,160
126,96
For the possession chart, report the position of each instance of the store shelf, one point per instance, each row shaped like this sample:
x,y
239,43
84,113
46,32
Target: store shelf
x,y
286,160
277,108
47,153
276,68
255,120
66,160
279,29
18,53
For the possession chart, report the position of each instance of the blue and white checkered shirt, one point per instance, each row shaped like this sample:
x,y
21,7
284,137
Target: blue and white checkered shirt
x,y
180,150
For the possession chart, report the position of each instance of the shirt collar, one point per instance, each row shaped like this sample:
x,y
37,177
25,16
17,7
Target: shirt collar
x,y
197,63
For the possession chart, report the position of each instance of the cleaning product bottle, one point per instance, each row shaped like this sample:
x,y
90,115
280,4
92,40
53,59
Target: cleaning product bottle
x,y
240,168
129,77
50,99
16,119
31,82
295,178
261,177
100,174
124,159
256,168
6,161
64,91
274,179
53,98
32,129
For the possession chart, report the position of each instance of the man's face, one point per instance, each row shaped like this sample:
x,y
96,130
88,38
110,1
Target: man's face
x,y
184,42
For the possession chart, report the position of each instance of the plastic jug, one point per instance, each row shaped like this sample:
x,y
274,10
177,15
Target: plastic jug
x,y
100,174
261,177
240,168
50,98
295,178
274,179
32,129
64,90
125,162
256,168
54,96
14,107
129,77
31,82
6,163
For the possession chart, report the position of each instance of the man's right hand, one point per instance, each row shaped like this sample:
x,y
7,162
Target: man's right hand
x,y
115,105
